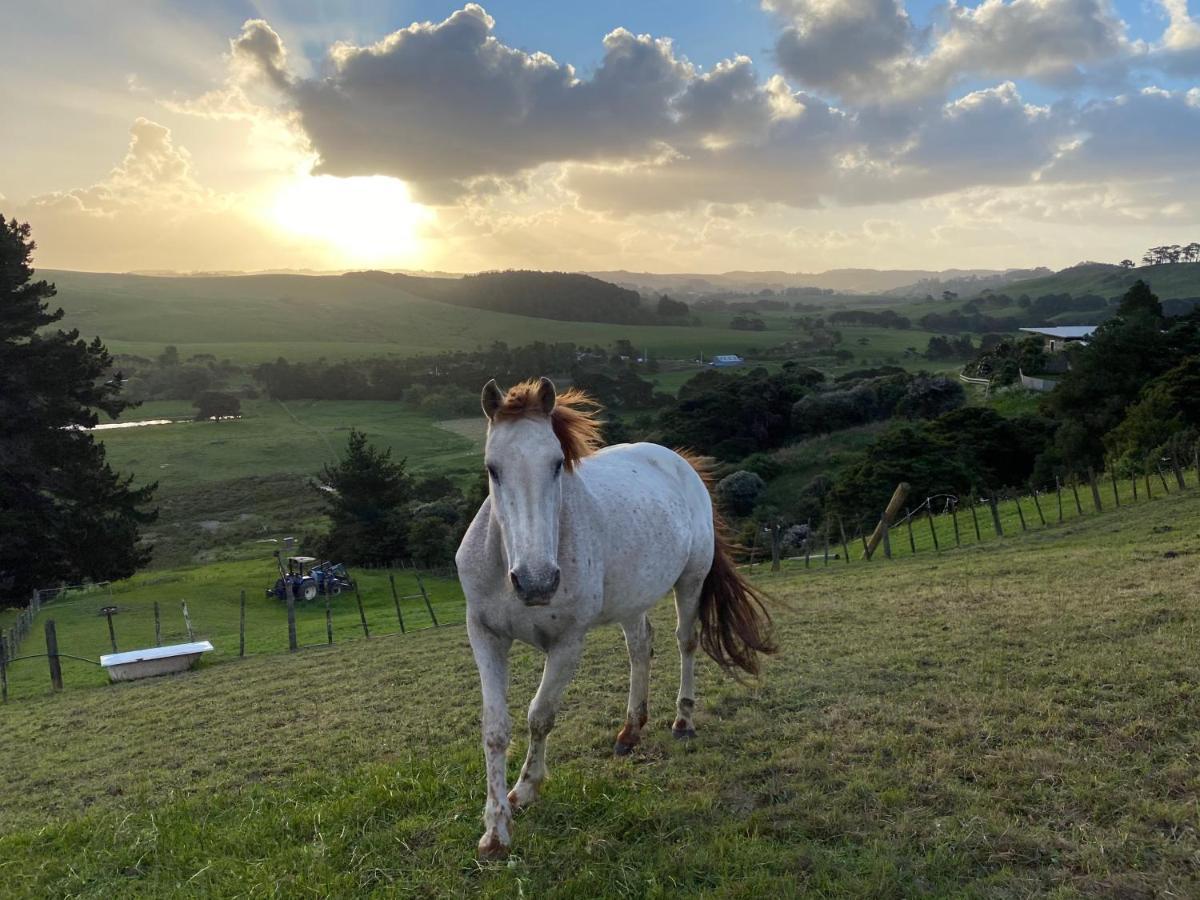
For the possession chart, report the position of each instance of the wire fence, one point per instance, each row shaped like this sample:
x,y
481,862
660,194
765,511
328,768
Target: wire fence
x,y
948,521
64,638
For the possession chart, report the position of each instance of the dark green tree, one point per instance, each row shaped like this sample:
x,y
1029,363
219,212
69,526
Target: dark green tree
x,y
1140,302
217,405
366,497
65,515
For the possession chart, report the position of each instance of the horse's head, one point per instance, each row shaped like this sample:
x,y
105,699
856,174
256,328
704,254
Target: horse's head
x,y
535,437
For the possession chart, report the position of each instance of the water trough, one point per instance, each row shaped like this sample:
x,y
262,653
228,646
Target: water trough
x,y
131,665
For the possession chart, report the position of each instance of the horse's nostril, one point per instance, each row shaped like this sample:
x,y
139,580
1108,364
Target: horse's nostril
x,y
555,580
515,579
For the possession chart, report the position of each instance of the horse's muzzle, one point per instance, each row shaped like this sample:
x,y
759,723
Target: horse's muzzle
x,y
535,590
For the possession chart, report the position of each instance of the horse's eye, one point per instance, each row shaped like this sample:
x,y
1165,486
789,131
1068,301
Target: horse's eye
x,y
495,475
558,467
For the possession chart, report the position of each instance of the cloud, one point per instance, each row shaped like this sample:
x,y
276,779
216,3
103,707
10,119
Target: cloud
x,y
153,173
869,51
439,104
1178,52
846,46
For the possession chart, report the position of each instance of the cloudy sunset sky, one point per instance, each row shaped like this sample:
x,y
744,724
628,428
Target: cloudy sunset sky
x,y
660,135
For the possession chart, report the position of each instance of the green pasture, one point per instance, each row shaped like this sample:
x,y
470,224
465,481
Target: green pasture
x,y
272,438
213,596
1008,720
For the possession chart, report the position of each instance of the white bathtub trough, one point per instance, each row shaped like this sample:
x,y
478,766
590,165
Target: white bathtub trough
x,y
133,664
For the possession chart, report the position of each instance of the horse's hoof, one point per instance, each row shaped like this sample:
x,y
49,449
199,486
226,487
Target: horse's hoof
x,y
683,734
492,848
620,749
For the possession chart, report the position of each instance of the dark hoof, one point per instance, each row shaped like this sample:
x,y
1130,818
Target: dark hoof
x,y
620,749
683,734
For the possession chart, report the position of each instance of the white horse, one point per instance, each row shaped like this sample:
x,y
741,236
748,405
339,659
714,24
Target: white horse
x,y
571,537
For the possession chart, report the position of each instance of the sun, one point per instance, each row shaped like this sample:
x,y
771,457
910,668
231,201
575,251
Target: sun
x,y
364,220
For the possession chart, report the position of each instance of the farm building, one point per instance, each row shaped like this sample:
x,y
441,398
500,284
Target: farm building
x,y
1058,337
723,362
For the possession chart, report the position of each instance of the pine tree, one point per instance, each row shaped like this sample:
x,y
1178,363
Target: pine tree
x,y
368,505
65,515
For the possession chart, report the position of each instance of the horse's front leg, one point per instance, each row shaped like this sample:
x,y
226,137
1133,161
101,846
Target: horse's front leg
x,y
561,662
639,639
491,656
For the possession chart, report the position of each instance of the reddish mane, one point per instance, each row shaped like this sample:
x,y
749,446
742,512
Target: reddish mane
x,y
574,418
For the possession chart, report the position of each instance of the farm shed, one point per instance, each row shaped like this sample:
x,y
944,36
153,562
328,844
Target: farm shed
x,y
1058,337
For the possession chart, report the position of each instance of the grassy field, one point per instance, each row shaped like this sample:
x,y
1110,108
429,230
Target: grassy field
x,y
261,317
272,438
212,593
224,485
1012,719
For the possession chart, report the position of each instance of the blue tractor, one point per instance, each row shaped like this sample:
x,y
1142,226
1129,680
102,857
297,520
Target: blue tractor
x,y
332,578
308,580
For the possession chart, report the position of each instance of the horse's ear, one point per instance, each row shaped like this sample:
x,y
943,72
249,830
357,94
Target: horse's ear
x,y
491,398
546,394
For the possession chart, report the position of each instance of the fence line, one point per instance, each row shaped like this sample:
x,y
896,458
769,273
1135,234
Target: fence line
x,y
440,614
1025,512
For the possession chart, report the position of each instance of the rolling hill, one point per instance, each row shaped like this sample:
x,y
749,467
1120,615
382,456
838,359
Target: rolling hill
x,y
1177,281
260,317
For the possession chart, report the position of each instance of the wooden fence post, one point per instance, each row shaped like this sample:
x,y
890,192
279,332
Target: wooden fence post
x,y
1196,461
1037,504
1058,490
954,518
328,621
1178,473
1149,493
912,543
290,599
3,670
396,600
777,544
428,605
52,655
1112,471
932,529
187,620
975,518
995,504
863,534
1020,512
842,530
826,542
242,626
885,521
1162,477
887,542
361,612
112,635
157,626
1075,494
1095,489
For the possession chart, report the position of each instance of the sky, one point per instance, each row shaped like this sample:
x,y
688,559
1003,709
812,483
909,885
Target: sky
x,y
661,135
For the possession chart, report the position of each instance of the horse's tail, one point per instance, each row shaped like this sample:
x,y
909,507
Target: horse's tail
x,y
735,625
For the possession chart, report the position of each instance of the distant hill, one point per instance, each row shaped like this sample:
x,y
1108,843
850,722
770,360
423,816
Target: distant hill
x,y
858,281
1170,282
565,296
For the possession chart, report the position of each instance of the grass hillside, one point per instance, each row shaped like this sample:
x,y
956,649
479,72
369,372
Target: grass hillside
x,y
1011,719
254,318
231,483
1168,281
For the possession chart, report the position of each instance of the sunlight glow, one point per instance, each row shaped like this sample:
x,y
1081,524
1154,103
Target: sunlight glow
x,y
365,219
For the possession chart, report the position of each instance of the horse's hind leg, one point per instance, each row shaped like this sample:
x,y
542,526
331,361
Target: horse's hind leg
x,y
639,638
687,632
561,661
